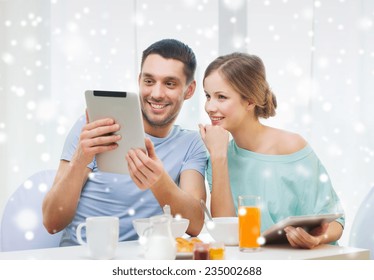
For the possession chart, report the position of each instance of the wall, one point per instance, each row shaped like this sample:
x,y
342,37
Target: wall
x,y
319,57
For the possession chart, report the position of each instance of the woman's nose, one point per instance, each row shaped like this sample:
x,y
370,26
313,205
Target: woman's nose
x,y
210,106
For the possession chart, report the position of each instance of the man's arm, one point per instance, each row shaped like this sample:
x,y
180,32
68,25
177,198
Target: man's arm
x,y
60,203
148,172
184,200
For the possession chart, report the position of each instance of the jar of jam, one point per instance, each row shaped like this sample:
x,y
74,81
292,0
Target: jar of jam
x,y
201,251
216,251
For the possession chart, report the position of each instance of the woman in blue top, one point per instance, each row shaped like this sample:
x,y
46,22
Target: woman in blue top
x,y
277,165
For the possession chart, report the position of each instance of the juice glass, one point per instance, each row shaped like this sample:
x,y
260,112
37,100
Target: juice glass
x,y
249,222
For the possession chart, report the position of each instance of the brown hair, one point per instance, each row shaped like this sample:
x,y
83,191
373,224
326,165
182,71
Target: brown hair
x,y
245,73
173,49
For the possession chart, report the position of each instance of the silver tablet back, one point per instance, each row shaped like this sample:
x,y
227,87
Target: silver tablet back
x,y
124,108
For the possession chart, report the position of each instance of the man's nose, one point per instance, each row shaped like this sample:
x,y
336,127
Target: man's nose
x,y
158,91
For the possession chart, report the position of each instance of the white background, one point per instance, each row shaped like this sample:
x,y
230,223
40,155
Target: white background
x,y
319,57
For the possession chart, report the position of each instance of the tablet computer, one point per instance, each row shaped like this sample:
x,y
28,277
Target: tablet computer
x,y
276,234
124,108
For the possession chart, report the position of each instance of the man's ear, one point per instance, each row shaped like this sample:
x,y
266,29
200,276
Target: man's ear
x,y
140,74
190,90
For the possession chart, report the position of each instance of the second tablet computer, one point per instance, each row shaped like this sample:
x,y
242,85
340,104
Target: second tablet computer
x,y
124,108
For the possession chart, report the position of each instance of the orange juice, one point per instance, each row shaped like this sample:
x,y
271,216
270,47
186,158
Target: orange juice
x,y
249,227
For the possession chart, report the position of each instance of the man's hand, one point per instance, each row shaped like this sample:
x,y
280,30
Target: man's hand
x,y
96,137
145,170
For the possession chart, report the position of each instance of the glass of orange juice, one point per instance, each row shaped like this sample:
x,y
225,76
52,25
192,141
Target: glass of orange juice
x,y
249,222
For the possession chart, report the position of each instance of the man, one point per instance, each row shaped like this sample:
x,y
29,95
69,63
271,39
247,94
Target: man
x,y
172,171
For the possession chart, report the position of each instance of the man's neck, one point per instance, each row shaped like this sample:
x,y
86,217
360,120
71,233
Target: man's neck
x,y
157,131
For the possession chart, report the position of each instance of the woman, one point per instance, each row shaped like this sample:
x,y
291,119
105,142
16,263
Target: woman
x,y
277,165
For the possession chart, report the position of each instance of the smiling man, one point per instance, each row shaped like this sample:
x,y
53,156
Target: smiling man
x,y
171,172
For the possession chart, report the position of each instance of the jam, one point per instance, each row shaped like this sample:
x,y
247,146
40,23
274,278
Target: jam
x,y
201,251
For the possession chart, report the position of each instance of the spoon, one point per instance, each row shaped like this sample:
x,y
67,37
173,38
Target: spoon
x,y
202,203
166,209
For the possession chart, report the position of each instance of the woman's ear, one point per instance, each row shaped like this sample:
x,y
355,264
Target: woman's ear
x,y
250,105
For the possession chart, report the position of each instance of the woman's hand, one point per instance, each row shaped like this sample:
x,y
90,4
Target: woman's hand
x,y
299,238
215,138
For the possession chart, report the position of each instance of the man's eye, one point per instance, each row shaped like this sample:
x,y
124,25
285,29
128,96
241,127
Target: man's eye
x,y
148,82
170,84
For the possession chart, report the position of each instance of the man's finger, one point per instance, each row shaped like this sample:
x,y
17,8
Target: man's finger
x,y
150,148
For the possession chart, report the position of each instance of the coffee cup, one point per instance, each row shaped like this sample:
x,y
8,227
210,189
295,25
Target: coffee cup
x,y
101,236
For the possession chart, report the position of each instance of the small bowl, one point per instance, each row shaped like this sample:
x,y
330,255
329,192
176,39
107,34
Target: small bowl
x,y
224,229
178,226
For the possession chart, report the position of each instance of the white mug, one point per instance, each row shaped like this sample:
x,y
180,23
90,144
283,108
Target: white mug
x,y
101,235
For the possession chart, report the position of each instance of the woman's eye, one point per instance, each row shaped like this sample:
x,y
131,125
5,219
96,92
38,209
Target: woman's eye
x,y
207,96
221,97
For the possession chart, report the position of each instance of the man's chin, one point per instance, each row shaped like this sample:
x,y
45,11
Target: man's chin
x,y
159,122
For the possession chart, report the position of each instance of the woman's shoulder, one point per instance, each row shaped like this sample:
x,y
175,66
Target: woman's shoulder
x,y
286,142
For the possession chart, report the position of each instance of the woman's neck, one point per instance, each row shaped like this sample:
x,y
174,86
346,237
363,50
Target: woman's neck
x,y
250,136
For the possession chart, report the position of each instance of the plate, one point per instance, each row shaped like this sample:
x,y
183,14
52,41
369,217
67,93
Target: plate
x,y
184,255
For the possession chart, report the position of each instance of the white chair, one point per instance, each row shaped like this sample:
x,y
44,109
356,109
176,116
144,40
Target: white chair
x,y
362,232
21,225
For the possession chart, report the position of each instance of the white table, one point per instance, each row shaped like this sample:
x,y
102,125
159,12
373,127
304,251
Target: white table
x,y
132,250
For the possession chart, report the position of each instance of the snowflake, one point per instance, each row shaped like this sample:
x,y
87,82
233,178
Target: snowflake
x,y
45,157
42,187
40,138
233,5
242,211
3,137
210,225
26,219
28,184
29,235
131,212
8,58
365,23
261,240
323,177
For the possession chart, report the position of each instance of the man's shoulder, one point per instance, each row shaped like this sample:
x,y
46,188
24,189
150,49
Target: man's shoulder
x,y
187,138
79,123
185,132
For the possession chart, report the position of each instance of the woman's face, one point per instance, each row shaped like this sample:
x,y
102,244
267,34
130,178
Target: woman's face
x,y
224,105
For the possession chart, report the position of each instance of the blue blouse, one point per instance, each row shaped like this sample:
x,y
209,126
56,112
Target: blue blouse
x,y
289,185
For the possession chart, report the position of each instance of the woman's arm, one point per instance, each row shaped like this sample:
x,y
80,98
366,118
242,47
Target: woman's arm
x,y
216,140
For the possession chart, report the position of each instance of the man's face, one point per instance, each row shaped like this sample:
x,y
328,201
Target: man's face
x,y
163,89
